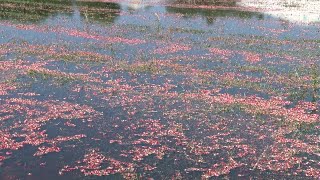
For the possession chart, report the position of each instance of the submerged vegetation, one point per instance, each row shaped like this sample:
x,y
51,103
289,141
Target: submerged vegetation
x,y
167,90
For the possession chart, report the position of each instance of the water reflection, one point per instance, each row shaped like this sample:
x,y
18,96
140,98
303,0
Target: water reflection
x,y
140,4
134,4
299,11
206,2
31,11
36,11
160,70
211,15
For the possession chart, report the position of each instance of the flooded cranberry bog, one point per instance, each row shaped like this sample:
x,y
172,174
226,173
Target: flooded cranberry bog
x,y
171,90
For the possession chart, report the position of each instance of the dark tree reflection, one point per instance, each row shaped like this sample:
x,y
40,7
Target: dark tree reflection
x,y
211,15
35,11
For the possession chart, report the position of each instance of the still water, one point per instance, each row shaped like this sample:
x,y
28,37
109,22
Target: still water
x,y
159,89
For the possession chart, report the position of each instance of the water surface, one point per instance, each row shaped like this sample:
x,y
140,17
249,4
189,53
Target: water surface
x,y
181,90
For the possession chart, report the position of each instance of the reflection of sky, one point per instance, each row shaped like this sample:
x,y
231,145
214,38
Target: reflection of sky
x,y
299,11
137,4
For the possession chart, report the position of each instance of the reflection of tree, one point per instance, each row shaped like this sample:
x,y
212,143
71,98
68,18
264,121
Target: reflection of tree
x,y
39,10
99,11
211,14
206,2
32,10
